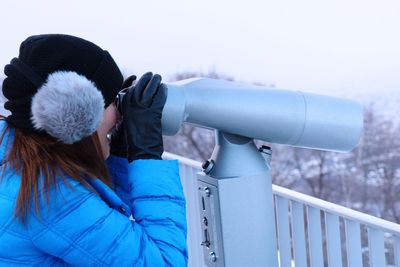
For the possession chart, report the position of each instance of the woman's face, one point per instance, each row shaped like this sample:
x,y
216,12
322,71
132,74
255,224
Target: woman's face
x,y
110,118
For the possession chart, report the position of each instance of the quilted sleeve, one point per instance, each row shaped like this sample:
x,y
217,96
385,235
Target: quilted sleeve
x,y
81,229
118,169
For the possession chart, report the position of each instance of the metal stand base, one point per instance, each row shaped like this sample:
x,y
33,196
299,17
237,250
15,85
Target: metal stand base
x,y
237,210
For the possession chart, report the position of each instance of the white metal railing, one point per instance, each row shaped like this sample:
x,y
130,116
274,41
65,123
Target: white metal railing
x,y
314,232
310,231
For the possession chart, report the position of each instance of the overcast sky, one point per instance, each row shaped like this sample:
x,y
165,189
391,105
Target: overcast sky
x,y
332,47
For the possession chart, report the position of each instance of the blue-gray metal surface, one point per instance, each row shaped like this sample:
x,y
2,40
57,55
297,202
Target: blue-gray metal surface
x,y
243,186
244,212
277,116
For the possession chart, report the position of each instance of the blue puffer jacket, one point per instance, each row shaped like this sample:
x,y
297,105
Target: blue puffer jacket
x,y
83,228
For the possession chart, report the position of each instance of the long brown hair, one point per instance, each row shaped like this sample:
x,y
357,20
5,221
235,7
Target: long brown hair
x,y
34,154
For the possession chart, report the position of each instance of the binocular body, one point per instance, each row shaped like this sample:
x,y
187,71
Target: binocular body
x,y
272,115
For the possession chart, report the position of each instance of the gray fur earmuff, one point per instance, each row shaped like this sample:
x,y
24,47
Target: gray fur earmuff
x,y
67,106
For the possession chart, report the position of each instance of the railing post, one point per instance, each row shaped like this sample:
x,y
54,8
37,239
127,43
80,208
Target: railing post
x,y
236,202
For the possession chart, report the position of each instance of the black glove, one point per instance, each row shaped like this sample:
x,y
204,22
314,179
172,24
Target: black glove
x,y
141,109
118,144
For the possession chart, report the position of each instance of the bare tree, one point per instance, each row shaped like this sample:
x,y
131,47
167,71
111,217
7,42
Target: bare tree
x,y
378,157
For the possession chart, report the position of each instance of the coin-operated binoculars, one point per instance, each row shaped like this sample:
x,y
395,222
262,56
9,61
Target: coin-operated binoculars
x,y
235,189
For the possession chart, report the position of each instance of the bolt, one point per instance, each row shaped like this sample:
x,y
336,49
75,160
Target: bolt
x,y
207,191
266,152
212,256
205,164
208,166
265,149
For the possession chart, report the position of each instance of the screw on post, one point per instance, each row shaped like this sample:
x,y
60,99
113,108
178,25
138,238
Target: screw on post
x,y
206,190
213,257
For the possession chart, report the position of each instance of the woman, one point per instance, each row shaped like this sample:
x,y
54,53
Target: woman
x,y
60,202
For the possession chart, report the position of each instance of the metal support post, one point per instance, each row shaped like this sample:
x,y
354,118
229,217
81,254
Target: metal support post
x,y
237,210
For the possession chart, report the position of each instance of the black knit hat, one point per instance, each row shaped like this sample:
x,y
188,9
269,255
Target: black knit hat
x,y
70,58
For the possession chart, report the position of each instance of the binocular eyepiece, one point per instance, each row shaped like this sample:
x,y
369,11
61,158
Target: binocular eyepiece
x,y
119,99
